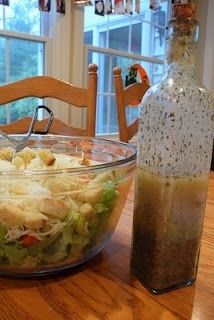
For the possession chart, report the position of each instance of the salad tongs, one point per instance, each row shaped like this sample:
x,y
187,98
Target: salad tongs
x,y
21,143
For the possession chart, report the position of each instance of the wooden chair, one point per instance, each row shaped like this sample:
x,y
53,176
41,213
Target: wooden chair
x,y
43,87
124,97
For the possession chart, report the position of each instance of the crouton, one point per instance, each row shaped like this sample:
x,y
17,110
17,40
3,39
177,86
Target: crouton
x,y
87,211
18,162
6,154
53,208
85,162
93,194
57,185
27,155
13,216
47,157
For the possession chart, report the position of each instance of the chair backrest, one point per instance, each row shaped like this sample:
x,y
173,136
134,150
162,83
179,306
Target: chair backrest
x,y
48,87
124,97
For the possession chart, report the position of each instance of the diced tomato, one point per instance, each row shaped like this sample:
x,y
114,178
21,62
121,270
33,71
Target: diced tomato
x,y
28,240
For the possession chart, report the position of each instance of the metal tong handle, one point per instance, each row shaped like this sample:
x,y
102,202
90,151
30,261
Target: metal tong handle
x,y
35,117
20,144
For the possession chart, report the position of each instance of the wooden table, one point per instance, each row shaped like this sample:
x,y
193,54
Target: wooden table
x,y
106,289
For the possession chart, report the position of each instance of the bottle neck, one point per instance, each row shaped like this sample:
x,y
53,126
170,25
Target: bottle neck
x,y
181,48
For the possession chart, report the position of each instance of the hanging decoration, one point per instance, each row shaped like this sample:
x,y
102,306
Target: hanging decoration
x,y
129,7
160,18
181,1
153,4
99,7
108,7
5,2
83,2
119,7
45,5
137,6
60,6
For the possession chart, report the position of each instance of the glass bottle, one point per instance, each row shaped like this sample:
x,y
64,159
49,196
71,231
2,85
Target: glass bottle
x,y
174,154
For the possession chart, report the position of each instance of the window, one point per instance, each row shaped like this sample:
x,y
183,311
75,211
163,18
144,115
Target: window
x,y
22,50
123,40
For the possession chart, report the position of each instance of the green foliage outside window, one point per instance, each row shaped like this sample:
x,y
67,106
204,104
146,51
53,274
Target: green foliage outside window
x,y
24,55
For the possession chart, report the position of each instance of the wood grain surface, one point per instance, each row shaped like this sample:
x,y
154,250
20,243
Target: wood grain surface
x,y
124,97
105,289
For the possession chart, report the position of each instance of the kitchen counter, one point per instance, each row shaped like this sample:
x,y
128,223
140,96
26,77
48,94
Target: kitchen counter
x,y
106,289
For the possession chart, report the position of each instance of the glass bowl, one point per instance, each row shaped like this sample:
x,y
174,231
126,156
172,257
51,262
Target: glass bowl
x,y
56,215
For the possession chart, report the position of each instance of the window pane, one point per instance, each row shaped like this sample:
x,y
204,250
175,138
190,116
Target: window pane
x,y
3,114
113,127
88,37
2,60
158,42
1,18
107,122
103,40
26,59
132,113
136,38
90,57
102,111
139,34
3,109
157,72
104,65
23,16
146,39
118,38
22,108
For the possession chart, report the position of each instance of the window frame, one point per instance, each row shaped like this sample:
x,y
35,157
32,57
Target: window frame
x,y
146,21
7,35
56,46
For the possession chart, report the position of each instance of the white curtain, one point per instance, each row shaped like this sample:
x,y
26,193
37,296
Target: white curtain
x,y
64,55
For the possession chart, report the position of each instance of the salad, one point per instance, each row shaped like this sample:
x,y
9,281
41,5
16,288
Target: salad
x,y
52,218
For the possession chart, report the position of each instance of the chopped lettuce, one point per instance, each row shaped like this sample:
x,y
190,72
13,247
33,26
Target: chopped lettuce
x,y
108,197
3,232
109,193
15,254
79,233
80,224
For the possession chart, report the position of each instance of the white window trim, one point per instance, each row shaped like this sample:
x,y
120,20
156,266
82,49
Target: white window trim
x,y
119,53
23,36
65,52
